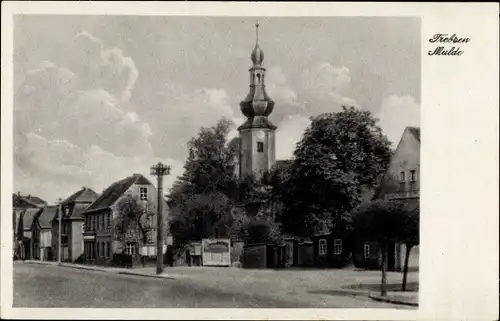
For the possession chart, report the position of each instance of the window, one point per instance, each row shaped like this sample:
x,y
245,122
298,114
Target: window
x,y
402,177
260,147
108,219
108,252
143,191
97,222
412,176
322,247
151,221
366,251
130,249
103,253
337,246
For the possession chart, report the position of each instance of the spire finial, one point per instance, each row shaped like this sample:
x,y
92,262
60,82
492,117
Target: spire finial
x,y
257,31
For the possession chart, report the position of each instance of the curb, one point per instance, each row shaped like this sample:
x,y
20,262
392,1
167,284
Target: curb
x,y
66,265
91,268
389,300
83,268
154,276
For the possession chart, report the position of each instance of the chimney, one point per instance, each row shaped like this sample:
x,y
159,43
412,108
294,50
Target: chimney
x,y
29,196
18,193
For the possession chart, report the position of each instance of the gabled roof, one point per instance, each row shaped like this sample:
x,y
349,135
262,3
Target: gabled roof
x,y
31,200
415,131
29,216
46,216
78,210
115,191
84,195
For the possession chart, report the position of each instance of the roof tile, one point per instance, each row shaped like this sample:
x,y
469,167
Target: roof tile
x,y
115,191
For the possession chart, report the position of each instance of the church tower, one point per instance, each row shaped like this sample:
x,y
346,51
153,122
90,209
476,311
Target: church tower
x,y
257,133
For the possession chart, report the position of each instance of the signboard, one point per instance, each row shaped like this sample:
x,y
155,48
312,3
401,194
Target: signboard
x,y
216,252
195,248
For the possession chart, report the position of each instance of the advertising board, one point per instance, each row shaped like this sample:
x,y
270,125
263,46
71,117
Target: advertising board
x,y
216,252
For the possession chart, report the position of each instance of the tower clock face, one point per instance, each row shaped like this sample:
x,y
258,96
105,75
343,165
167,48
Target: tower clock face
x,y
260,135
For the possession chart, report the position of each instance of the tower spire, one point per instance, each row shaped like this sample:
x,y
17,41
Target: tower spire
x,y
257,32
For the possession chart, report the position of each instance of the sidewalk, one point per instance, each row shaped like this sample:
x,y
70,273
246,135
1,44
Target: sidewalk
x,y
125,271
405,298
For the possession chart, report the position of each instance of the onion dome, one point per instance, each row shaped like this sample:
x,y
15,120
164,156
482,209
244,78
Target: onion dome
x,y
257,55
257,105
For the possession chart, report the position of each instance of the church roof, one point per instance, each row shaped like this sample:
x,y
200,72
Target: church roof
x,y
257,122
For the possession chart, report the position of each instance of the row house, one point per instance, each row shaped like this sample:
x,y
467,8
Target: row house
x,y
72,221
25,232
401,182
42,233
19,205
99,240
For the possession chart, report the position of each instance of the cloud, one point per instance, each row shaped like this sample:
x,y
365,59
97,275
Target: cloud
x,y
50,165
278,88
100,67
396,113
320,88
72,125
324,88
186,111
288,134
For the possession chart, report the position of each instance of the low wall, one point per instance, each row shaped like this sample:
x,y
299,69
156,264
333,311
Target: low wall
x,y
254,257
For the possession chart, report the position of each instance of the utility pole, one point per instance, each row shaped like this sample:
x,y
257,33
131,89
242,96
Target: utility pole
x,y
59,246
159,170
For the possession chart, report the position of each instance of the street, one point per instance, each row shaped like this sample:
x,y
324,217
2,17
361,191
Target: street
x,y
38,285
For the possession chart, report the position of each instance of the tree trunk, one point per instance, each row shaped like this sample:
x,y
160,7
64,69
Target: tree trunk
x,y
405,271
383,283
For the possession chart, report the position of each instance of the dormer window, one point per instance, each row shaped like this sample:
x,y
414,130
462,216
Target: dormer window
x,y
260,147
143,191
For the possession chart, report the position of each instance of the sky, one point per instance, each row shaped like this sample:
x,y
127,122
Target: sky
x,y
98,98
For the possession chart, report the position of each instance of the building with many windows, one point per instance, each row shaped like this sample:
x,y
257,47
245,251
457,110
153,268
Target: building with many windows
x,y
100,241
401,182
72,224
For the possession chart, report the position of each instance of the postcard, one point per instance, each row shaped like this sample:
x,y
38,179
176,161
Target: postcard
x,y
224,160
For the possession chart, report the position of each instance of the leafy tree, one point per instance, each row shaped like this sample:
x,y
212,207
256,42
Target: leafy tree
x,y
410,236
380,221
203,216
261,229
411,219
340,156
134,221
